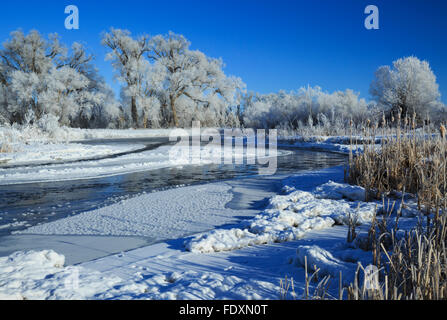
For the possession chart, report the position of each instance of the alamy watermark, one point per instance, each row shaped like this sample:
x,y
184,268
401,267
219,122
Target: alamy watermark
x,y
371,280
72,20
229,146
372,20
72,281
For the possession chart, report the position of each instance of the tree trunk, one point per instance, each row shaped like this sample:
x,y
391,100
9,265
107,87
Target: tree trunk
x,y
134,112
174,112
145,120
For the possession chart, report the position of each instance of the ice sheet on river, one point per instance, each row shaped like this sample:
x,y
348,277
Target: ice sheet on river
x,y
163,215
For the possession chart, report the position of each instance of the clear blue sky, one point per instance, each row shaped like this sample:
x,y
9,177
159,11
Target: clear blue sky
x,y
271,45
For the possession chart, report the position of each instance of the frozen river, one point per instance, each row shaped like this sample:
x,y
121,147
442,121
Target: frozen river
x,y
26,205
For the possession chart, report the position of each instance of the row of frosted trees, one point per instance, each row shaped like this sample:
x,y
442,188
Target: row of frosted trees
x,y
409,87
164,83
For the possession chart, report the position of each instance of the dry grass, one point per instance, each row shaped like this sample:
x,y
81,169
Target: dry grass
x,y
416,268
318,292
410,161
418,264
5,147
6,139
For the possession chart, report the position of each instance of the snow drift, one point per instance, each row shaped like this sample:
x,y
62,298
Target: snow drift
x,y
290,217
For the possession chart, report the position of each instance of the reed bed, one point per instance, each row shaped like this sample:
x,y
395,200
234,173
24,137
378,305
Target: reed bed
x,y
416,267
411,161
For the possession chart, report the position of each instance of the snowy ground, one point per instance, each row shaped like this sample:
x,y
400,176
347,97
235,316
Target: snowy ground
x,y
95,134
151,215
244,260
216,241
31,145
65,134
38,153
248,196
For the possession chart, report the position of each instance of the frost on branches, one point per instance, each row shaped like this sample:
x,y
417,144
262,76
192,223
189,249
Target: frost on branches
x,y
408,87
304,108
168,84
41,77
165,83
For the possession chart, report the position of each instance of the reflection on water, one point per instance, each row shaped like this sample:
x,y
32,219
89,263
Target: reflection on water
x,y
22,206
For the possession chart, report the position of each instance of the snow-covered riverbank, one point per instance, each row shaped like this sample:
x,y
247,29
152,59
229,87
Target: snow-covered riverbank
x,y
208,241
245,270
32,146
38,153
27,134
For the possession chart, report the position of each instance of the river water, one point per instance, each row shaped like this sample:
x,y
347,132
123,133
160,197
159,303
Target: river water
x,y
22,206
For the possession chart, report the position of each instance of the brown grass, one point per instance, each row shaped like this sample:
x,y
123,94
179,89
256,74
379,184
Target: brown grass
x,y
410,161
5,147
416,268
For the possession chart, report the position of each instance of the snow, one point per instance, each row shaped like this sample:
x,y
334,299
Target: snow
x,y
41,275
337,191
74,134
165,271
190,285
76,249
162,157
30,145
37,153
140,216
337,144
38,275
324,146
290,217
320,259
239,258
30,134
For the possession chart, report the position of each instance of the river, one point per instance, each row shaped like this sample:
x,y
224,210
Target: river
x,y
22,206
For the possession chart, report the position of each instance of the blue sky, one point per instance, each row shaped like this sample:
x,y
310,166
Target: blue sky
x,y
271,45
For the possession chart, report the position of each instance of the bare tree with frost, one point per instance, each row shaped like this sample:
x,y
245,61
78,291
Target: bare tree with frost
x,y
304,107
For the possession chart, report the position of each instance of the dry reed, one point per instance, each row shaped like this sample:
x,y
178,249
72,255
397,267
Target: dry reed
x,y
410,161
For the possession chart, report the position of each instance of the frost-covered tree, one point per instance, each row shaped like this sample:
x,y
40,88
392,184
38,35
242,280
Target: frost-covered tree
x,y
409,86
128,59
25,60
168,84
191,86
306,107
40,77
